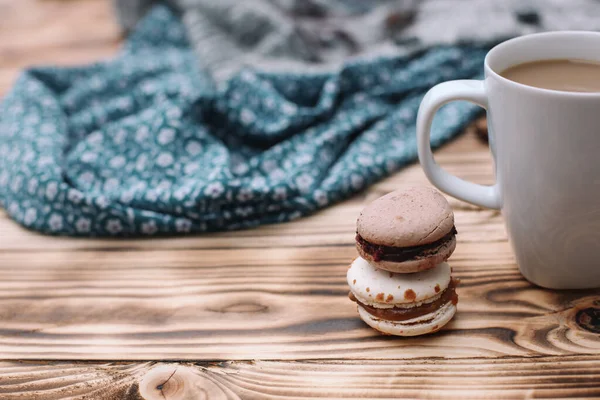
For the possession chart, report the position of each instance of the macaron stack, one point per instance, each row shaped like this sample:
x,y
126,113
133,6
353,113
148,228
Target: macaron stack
x,y
401,282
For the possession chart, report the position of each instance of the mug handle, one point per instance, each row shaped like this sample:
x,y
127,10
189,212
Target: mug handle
x,y
473,91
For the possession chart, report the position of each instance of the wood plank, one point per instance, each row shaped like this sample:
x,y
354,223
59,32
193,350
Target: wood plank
x,y
542,377
259,303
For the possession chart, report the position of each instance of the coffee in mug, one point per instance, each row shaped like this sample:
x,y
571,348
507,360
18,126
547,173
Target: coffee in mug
x,y
567,75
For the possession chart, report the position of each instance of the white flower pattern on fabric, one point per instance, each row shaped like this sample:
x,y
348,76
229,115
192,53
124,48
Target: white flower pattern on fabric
x,y
149,228
288,108
247,116
4,178
30,216
304,183
152,195
51,190
258,182
55,222
244,211
191,168
102,202
357,181
111,184
166,136
142,134
277,174
164,159
83,225
181,193
127,197
119,137
241,169
31,186
214,189
86,177
364,161
183,225
280,193
75,196
113,226
141,162
117,162
193,148
321,197
89,157
174,113
245,195
95,138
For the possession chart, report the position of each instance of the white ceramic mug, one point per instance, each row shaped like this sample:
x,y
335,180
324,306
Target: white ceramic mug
x,y
546,149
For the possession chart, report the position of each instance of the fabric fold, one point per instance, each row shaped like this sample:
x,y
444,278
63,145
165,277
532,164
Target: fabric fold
x,y
148,144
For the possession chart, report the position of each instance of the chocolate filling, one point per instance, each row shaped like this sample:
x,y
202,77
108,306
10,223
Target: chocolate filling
x,y
403,314
400,254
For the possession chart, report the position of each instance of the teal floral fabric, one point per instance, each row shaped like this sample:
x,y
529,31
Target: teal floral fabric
x,y
148,144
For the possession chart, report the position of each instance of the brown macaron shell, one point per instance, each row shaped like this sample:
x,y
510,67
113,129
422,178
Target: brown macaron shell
x,y
411,217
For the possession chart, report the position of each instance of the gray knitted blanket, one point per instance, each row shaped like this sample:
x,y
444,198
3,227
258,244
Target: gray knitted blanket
x,y
298,35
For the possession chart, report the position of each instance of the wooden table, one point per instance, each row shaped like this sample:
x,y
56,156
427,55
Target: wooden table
x,y
263,313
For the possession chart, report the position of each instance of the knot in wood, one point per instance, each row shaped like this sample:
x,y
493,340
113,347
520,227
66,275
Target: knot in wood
x,y
589,319
178,382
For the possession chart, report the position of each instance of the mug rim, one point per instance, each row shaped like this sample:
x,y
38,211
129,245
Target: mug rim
x,y
510,42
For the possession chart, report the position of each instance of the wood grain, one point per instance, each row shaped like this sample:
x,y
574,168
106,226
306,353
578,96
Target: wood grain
x,y
190,310
278,292
263,313
512,378
51,32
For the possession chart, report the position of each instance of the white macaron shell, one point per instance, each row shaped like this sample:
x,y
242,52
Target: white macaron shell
x,y
383,289
429,323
